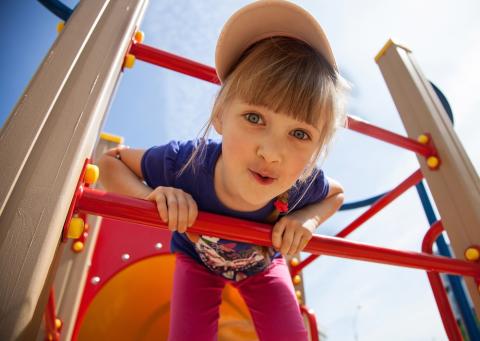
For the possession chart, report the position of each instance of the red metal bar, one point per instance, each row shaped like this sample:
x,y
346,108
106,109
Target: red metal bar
x,y
312,322
448,318
173,62
412,180
389,137
52,332
135,210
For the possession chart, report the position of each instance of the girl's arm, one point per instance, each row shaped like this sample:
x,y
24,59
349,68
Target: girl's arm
x,y
292,232
123,175
121,172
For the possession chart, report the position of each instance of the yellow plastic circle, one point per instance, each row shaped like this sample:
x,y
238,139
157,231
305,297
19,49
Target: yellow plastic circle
x,y
91,174
294,261
60,26
297,279
472,254
77,246
58,323
76,227
433,162
139,36
298,293
129,61
423,139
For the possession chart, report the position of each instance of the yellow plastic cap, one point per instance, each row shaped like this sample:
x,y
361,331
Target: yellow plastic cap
x,y
472,254
77,246
60,26
139,36
129,61
297,279
76,227
433,162
91,174
423,139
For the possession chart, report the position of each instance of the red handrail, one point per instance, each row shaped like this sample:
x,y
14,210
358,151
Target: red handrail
x,y
173,62
145,212
53,333
446,313
369,129
412,180
312,322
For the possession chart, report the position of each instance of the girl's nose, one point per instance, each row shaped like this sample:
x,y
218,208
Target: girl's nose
x,y
269,149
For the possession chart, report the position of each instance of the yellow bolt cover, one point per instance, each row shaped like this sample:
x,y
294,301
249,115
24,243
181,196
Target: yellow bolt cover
x,y
298,293
76,227
129,61
60,26
297,279
294,261
423,139
91,174
139,36
111,138
433,162
472,254
77,246
58,323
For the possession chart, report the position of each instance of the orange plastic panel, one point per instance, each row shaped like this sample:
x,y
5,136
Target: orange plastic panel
x,y
135,304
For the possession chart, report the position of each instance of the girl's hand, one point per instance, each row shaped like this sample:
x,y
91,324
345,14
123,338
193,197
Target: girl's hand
x,y
175,207
292,233
114,151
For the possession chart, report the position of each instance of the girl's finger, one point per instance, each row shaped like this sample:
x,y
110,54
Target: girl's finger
x,y
277,234
162,206
304,242
172,211
192,210
182,212
295,243
287,240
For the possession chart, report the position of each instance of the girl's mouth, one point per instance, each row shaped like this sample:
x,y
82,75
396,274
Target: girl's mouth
x,y
263,180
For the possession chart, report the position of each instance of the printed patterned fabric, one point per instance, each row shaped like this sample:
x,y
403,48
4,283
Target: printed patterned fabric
x,y
233,260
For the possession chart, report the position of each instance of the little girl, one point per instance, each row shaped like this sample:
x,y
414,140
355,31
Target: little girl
x,y
278,107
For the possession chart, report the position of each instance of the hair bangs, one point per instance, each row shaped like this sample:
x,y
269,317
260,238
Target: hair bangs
x,y
287,76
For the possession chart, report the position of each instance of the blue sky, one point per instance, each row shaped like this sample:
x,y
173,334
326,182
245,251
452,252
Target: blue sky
x,y
153,106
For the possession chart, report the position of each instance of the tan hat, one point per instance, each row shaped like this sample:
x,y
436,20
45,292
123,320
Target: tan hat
x,y
267,18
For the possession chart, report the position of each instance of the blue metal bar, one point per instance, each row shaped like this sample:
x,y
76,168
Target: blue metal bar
x,y
361,203
455,281
58,8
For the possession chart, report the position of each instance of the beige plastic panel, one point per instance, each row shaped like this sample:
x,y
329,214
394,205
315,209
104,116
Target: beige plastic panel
x,y
455,186
53,129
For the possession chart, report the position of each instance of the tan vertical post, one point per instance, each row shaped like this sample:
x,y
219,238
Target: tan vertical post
x,y
455,186
43,145
73,266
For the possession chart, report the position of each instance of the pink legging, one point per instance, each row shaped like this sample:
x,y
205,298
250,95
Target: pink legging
x,y
269,295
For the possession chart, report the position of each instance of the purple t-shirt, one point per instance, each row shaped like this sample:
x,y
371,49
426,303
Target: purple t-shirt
x,y
160,167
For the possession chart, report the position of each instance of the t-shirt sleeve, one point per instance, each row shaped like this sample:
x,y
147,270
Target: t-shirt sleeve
x,y
159,164
314,189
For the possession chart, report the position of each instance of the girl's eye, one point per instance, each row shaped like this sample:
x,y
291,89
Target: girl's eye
x,y
253,118
300,134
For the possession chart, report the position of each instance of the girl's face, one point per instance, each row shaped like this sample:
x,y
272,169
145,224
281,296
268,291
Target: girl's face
x,y
263,154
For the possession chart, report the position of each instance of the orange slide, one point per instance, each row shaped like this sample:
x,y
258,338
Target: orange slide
x,y
135,303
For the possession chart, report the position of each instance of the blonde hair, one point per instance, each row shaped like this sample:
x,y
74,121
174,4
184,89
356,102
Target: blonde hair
x,y
285,75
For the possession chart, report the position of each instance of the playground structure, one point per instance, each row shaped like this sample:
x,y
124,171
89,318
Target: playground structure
x,y
82,70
